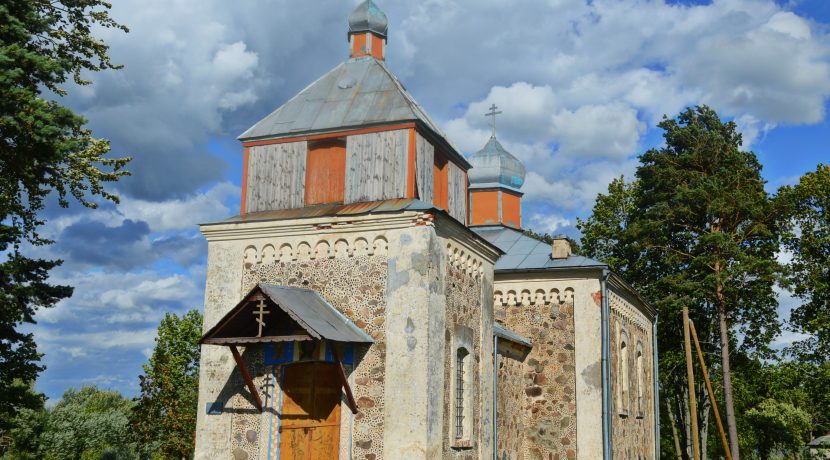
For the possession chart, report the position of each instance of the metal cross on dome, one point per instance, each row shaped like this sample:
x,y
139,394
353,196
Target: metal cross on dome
x,y
492,113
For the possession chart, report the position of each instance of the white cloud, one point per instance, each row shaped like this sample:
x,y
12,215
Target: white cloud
x,y
182,213
548,223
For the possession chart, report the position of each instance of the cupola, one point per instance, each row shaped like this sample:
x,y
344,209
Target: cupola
x,y
368,27
495,180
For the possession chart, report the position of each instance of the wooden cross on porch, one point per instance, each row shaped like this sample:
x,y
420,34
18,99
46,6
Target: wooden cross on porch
x,y
260,313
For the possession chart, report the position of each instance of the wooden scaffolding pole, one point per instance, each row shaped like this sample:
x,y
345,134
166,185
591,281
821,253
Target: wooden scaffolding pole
x,y
711,393
690,375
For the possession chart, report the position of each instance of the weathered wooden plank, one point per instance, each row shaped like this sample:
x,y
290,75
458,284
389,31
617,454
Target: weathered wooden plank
x,y
376,166
424,159
246,376
276,174
457,199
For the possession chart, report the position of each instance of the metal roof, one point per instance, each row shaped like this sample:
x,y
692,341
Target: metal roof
x,y
394,205
367,17
356,93
525,253
494,166
311,312
315,314
821,441
504,333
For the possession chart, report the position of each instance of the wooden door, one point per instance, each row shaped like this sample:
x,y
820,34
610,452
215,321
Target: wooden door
x,y
310,416
325,172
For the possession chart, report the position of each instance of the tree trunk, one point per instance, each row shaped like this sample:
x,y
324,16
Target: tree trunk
x,y
727,377
687,423
675,435
705,406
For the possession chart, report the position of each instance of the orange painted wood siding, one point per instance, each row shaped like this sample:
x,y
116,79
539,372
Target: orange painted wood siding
x,y
325,172
485,205
511,210
359,45
440,178
377,47
242,205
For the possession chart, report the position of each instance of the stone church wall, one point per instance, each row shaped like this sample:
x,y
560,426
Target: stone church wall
x,y
509,407
544,313
632,421
463,309
356,286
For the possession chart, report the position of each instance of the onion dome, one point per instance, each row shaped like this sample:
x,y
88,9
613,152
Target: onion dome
x,y
493,166
367,17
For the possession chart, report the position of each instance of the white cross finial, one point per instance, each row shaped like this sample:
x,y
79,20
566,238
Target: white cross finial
x,y
260,313
492,113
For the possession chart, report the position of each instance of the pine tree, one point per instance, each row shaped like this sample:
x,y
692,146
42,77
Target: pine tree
x,y
45,151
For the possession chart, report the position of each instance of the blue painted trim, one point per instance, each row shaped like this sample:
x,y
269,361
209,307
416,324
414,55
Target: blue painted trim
x,y
279,418
271,415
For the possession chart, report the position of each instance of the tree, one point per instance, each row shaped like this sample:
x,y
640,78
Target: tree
x,y
45,150
703,209
806,218
165,417
605,232
89,424
778,426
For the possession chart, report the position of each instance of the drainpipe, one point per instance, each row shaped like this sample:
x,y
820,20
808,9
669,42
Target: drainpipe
x,y
605,316
495,396
655,365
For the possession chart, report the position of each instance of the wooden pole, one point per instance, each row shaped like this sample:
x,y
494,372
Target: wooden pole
x,y
723,439
690,375
246,376
343,380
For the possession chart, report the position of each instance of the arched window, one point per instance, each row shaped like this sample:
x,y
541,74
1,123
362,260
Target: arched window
x,y
460,396
640,379
623,375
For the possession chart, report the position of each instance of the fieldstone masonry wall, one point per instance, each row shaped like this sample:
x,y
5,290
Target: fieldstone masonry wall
x,y
632,430
464,309
509,406
356,286
548,417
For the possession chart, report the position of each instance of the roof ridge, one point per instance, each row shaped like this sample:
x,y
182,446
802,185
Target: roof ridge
x,y
285,104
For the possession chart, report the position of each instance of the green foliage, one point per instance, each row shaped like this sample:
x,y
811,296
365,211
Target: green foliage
x,y
806,217
87,424
44,151
164,419
695,229
778,426
605,233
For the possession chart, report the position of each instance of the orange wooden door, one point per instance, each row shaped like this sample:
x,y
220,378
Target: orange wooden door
x,y
325,178
310,416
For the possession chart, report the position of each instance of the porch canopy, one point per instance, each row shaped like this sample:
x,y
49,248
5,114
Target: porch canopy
x,y
272,313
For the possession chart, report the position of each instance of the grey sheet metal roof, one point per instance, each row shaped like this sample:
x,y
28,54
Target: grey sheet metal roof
x,y
318,318
394,205
356,93
315,314
821,441
525,253
504,333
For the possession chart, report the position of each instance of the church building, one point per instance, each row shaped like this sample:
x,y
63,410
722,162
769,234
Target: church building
x,y
377,298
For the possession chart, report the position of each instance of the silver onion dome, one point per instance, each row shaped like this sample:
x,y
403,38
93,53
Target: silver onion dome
x,y
367,17
494,166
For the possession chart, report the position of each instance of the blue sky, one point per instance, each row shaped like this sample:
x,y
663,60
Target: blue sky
x,y
581,84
